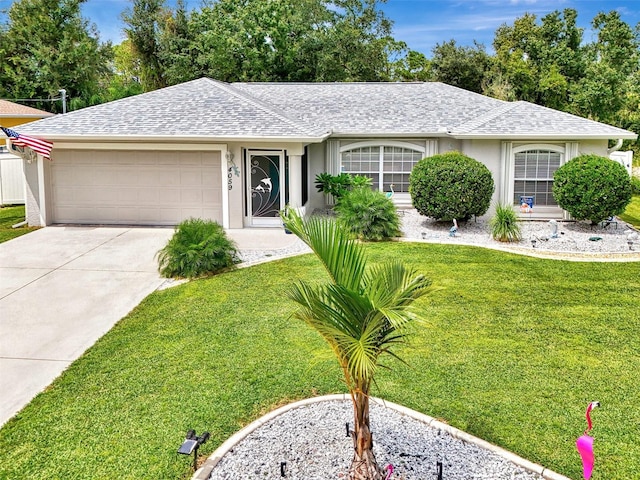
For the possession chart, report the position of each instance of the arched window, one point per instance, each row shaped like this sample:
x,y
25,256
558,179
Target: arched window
x,y
384,164
533,175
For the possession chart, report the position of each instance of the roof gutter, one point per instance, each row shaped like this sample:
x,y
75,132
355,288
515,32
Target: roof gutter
x,y
162,139
616,147
557,136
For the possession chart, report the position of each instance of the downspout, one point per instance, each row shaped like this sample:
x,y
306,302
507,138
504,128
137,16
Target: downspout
x,y
616,147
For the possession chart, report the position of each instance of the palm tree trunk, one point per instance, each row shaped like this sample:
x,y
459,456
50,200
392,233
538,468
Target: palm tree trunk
x,y
364,465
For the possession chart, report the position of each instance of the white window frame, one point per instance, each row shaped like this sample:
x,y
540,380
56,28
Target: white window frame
x,y
381,145
567,150
536,148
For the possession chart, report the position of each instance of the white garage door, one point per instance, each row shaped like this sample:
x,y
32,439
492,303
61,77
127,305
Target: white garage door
x,y
135,187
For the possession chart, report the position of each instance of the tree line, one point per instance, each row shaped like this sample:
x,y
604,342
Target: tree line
x,y
46,45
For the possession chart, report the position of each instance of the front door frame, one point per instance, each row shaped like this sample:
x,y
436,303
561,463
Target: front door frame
x,y
264,221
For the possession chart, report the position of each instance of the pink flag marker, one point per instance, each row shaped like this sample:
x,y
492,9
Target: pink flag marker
x,y
584,444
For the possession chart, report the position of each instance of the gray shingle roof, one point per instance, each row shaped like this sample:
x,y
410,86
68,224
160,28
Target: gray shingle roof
x,y
201,107
375,108
523,119
210,109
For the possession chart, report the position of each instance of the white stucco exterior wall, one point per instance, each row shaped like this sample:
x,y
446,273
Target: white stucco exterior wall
x,y
487,152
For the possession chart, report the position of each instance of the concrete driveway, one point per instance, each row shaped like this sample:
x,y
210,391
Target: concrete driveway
x,y
61,289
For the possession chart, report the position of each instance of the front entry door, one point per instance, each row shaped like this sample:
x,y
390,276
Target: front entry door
x,y
265,187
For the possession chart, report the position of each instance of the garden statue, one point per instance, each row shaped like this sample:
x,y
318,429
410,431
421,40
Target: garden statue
x,y
453,230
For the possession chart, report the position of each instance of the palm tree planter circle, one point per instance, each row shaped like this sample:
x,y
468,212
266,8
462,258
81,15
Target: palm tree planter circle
x,y
361,313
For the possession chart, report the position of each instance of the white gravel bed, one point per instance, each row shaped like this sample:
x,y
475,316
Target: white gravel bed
x,y
572,237
253,256
312,441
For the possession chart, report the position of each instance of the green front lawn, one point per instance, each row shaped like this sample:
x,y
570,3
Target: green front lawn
x,y
512,349
10,216
632,214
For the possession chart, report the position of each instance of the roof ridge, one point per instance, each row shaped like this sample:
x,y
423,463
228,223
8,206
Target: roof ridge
x,y
306,127
486,117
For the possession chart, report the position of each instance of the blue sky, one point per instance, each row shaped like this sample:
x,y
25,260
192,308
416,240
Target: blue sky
x,y
420,23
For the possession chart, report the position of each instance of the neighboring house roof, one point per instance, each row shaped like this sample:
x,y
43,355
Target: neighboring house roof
x,y
15,110
208,109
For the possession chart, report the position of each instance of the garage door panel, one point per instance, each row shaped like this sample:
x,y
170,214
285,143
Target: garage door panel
x,y
128,175
211,196
148,196
128,196
186,158
82,214
212,179
127,187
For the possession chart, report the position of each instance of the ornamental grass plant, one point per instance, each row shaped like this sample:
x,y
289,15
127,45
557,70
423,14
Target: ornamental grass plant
x,y
504,224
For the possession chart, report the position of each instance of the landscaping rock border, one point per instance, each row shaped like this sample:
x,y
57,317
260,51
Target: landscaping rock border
x,y
309,437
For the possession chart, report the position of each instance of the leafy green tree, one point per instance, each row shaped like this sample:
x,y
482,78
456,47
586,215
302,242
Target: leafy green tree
x,y
175,46
362,313
540,60
293,40
47,46
412,67
613,61
359,44
463,67
143,25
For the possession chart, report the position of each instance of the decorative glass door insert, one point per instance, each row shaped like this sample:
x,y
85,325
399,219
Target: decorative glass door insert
x,y
265,187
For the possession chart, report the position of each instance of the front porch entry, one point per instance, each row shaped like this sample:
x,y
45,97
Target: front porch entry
x,y
265,187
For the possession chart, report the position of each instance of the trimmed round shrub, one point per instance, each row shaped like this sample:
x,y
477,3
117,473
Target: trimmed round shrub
x,y
451,185
197,248
591,187
368,214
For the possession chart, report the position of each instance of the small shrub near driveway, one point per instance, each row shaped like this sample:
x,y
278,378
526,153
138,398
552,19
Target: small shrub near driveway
x,y
591,187
451,185
368,215
504,224
198,248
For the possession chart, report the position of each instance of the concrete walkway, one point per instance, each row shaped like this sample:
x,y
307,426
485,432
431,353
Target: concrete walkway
x,y
62,288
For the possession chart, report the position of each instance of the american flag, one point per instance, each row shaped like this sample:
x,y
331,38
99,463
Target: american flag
x,y
41,146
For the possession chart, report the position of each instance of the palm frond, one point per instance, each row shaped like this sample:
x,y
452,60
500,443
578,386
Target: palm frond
x,y
342,257
362,314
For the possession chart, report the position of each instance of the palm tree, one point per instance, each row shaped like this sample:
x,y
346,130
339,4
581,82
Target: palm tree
x,y
361,313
